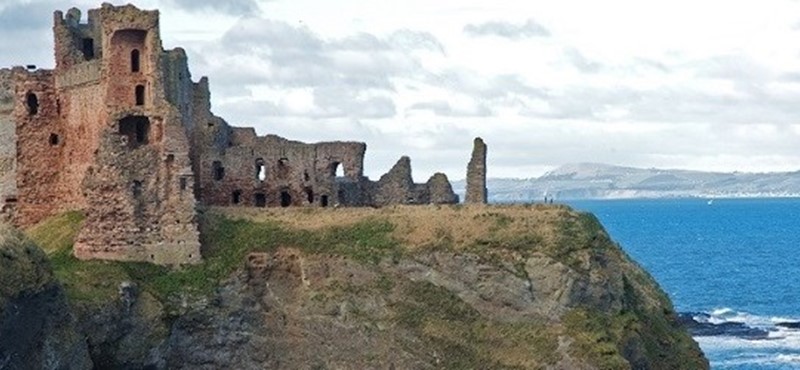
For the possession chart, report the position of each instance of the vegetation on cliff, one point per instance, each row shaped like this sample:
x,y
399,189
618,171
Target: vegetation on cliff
x,y
454,286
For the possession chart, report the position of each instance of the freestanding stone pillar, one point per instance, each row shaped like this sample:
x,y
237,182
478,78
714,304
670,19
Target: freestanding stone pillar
x,y
476,174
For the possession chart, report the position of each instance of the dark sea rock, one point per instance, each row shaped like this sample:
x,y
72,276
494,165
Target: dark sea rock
x,y
704,328
789,324
37,328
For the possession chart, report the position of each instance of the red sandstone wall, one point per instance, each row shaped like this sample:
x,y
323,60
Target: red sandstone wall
x,y
38,161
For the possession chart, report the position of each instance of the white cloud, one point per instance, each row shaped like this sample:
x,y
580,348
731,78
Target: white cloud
x,y
683,84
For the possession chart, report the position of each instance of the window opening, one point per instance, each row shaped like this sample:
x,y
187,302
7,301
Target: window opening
x,y
236,196
136,128
137,188
219,171
286,199
139,94
310,195
337,170
261,200
88,48
33,103
135,60
261,170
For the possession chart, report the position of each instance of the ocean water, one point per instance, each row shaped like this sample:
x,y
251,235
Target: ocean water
x,y
735,260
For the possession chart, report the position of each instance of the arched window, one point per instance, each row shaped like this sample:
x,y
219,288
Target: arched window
x,y
139,94
286,199
261,170
135,60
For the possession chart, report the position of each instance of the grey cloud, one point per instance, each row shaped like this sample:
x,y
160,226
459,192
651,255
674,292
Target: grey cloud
x,y
293,56
329,103
231,7
668,105
507,30
734,67
27,17
31,22
444,109
497,89
344,102
581,62
413,40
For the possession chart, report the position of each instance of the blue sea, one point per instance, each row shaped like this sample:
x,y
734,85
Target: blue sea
x,y
731,261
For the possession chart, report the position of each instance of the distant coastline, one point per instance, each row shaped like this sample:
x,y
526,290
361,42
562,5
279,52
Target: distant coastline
x,y
594,181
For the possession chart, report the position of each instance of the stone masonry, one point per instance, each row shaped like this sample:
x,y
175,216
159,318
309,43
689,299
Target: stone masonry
x,y
120,130
476,174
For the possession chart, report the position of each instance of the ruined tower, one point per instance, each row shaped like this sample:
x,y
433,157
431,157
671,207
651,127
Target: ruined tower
x,y
476,174
119,130
98,134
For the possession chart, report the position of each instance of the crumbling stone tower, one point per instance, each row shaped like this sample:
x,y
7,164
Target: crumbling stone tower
x,y
476,174
119,130
101,133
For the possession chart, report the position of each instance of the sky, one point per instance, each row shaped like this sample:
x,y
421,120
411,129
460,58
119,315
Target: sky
x,y
702,85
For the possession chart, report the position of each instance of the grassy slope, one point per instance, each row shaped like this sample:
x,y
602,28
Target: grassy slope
x,y
436,315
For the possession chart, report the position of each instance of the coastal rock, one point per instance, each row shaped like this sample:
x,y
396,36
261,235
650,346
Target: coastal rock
x,y
498,287
37,329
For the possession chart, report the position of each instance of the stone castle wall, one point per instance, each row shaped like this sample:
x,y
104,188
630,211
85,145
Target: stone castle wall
x,y
476,174
120,130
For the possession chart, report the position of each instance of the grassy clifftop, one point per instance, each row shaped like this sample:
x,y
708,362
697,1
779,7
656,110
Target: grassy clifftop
x,y
498,286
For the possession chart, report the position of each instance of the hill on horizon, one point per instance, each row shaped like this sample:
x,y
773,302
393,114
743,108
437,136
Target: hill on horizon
x,y
603,181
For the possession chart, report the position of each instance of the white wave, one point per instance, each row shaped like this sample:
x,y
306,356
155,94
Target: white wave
x,y
788,358
726,314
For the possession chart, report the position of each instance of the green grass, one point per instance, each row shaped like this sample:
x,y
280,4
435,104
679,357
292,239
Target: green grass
x,y
57,233
464,339
226,243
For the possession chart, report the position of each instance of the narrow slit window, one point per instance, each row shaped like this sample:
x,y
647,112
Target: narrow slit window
x,y
53,139
310,195
135,66
139,94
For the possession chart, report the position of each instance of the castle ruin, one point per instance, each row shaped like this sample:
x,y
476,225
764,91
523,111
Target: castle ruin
x,y
119,130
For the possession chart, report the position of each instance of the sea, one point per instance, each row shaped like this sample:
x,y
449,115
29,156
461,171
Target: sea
x,y
726,263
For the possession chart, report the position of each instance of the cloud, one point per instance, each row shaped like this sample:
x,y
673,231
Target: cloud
x,y
581,62
32,22
445,109
230,7
507,30
294,56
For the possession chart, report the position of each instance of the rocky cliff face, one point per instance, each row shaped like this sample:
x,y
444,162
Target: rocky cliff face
x,y
406,288
37,329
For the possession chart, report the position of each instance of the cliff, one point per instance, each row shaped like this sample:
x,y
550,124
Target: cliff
x,y
37,330
522,287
